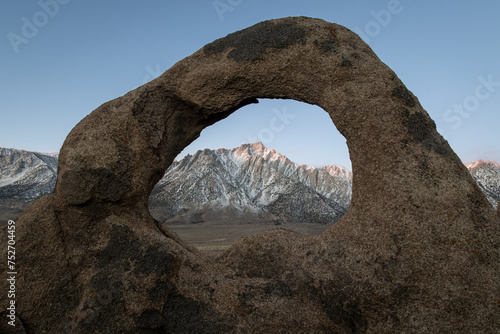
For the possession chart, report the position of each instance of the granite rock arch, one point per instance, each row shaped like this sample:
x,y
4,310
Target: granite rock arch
x,y
417,251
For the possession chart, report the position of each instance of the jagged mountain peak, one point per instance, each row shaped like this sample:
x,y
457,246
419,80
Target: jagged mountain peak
x,y
254,179
51,154
337,170
481,163
255,148
7,151
245,151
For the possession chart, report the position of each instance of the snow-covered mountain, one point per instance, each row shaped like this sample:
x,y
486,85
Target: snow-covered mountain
x,y
487,176
26,175
244,184
250,180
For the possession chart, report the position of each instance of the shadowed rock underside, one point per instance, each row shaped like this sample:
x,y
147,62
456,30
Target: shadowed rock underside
x,y
418,250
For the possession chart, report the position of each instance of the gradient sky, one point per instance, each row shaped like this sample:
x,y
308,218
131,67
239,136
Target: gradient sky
x,y
58,63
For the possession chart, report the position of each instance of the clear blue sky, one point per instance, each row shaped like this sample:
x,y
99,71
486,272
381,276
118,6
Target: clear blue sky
x,y
58,63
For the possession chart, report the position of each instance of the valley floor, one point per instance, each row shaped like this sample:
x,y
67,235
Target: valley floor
x,y
209,237
214,238
12,209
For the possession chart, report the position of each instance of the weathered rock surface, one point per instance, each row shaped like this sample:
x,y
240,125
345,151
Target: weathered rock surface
x,y
417,252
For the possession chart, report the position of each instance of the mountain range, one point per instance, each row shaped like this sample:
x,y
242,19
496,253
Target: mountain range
x,y
26,175
487,176
240,185
250,181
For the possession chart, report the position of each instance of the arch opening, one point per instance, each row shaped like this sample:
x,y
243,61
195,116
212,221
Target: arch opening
x,y
278,164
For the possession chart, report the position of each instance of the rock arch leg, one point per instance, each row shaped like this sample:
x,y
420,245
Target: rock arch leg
x,y
418,248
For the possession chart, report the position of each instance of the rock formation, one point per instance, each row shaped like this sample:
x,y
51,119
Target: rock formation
x,y
417,251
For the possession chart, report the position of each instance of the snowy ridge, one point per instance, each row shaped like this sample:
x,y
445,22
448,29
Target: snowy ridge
x,y
251,180
487,176
26,175
248,182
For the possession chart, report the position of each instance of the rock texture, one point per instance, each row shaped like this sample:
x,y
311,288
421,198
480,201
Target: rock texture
x,y
417,251
250,182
